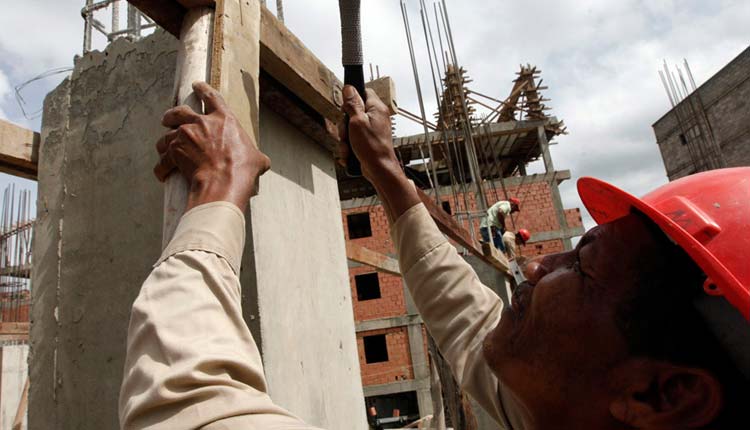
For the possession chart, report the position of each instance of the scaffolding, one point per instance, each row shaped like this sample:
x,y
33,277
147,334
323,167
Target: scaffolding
x,y
17,227
134,29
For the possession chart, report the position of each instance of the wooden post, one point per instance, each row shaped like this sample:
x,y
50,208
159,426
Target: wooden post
x,y
193,64
22,404
549,167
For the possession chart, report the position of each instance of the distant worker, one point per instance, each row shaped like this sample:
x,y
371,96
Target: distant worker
x,y
644,325
494,223
512,240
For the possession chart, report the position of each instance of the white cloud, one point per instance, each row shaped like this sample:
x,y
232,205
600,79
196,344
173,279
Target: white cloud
x,y
4,93
599,59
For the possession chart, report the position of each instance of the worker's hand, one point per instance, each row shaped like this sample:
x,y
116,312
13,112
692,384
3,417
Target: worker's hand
x,y
369,134
218,158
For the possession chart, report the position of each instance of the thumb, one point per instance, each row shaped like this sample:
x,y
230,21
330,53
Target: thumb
x,y
353,104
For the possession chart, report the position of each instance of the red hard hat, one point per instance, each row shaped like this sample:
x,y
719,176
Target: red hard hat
x,y
707,214
525,234
515,201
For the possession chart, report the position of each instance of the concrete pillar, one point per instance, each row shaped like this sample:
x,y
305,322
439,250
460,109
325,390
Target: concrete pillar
x,y
501,286
419,359
549,167
99,232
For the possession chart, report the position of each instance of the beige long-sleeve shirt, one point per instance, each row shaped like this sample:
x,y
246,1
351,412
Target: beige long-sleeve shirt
x,y
192,362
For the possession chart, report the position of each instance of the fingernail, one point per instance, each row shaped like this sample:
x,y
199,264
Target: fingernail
x,y
349,91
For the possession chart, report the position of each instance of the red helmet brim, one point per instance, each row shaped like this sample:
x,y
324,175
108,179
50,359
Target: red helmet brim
x,y
607,203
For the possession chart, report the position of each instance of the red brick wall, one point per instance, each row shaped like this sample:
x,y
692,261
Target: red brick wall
x,y
537,215
391,302
397,368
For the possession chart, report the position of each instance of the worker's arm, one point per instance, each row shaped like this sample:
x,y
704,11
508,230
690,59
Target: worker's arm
x,y
191,360
457,309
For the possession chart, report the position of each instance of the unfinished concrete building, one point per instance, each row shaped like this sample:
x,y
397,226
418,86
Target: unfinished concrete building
x,y
708,127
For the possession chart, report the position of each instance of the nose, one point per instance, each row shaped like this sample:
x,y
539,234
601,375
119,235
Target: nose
x,y
536,268
533,270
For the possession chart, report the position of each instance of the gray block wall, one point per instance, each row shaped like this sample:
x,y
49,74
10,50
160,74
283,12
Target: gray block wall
x,y
99,232
724,98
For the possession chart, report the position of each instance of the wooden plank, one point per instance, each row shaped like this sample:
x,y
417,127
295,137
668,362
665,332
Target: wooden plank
x,y
282,55
289,61
167,14
19,150
451,228
385,88
22,405
368,257
14,328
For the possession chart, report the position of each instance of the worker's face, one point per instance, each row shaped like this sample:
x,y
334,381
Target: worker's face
x,y
556,345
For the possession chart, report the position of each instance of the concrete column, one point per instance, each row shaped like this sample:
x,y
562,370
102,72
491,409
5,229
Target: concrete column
x,y
99,232
419,359
549,167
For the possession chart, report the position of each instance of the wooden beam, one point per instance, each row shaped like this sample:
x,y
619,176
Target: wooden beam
x,y
287,59
22,405
496,129
282,55
368,257
167,14
14,331
390,322
19,150
385,88
451,228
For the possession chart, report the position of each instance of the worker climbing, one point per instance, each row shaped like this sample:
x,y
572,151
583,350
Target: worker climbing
x,y
643,325
493,224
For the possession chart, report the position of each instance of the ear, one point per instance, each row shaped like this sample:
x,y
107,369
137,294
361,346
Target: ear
x,y
658,395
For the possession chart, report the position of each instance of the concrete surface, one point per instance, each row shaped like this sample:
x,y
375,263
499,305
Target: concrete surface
x,y
13,379
296,245
99,228
99,232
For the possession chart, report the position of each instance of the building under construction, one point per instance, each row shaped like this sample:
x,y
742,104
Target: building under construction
x,y
707,127
343,306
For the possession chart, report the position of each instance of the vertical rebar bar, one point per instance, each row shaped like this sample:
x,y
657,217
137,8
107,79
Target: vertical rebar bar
x,y
431,178
87,27
280,10
115,18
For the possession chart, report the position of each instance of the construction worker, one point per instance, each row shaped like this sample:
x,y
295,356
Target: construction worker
x,y
494,223
642,326
511,241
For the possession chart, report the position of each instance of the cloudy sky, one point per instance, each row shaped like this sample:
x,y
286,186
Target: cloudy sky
x,y
598,57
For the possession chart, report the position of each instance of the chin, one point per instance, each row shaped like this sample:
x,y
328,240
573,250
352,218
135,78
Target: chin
x,y
494,345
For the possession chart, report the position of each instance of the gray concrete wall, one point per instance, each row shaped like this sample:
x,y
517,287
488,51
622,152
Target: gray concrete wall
x,y
99,232
302,282
725,100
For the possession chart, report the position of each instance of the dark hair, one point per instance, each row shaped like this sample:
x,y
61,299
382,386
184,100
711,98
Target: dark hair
x,y
661,322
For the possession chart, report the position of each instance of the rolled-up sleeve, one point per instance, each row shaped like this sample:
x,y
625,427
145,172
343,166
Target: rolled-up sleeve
x,y
456,307
191,360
